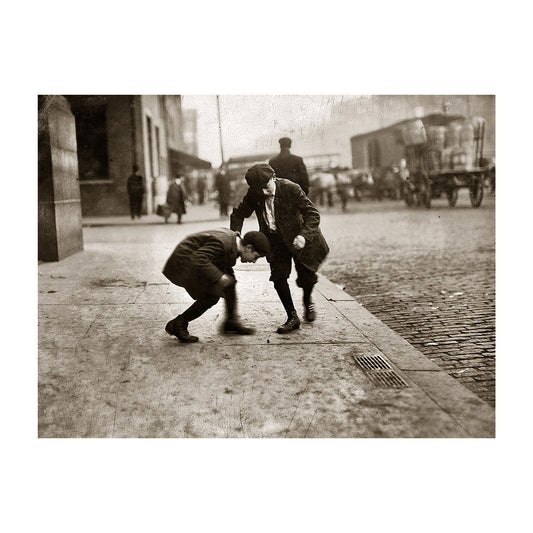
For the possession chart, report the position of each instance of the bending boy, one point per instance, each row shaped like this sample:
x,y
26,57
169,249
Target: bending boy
x,y
202,264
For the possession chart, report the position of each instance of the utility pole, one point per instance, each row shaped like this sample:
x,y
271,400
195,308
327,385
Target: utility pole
x,y
220,130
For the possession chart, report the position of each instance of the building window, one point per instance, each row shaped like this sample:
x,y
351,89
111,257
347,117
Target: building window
x,y
150,145
91,136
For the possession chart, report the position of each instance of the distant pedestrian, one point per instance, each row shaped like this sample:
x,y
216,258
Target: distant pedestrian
x,y
342,189
291,223
201,187
177,198
186,182
135,187
223,186
203,265
289,166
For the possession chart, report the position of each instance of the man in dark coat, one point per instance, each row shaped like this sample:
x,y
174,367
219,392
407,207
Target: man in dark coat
x,y
291,222
223,186
202,264
176,198
135,189
289,166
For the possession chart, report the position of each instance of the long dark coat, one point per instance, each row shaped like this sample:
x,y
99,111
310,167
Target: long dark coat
x,y
201,259
292,168
295,215
222,184
176,197
135,186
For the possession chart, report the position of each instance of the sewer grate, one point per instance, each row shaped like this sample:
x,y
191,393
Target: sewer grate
x,y
380,372
372,362
387,378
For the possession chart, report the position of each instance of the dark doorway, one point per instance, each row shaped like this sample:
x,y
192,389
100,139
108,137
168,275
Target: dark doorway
x,y
91,136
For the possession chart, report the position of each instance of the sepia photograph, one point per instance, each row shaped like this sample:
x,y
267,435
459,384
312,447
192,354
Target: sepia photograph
x,y
258,293
266,266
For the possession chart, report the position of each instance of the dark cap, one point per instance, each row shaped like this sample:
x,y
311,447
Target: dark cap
x,y
285,142
259,241
257,176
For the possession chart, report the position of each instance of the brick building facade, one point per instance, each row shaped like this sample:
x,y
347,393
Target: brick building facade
x,y
114,133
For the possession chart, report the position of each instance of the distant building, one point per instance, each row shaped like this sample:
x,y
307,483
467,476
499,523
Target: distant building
x,y
115,132
182,147
237,166
317,162
190,131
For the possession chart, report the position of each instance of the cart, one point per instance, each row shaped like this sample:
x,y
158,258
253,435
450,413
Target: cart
x,y
430,175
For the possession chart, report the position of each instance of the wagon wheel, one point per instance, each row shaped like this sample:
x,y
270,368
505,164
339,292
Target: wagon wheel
x,y
452,195
476,191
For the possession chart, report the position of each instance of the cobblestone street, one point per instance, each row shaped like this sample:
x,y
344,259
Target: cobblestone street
x,y
428,274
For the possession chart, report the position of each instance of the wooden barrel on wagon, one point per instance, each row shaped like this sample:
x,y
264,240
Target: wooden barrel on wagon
x,y
453,134
436,136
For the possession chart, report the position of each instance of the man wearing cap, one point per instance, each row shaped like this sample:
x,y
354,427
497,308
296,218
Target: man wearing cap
x,y
202,264
291,222
289,166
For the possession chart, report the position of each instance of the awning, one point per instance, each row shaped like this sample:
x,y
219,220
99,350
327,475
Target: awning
x,y
179,159
257,158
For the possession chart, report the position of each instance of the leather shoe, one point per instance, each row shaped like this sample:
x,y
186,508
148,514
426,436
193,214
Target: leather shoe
x,y
310,313
178,328
293,322
236,328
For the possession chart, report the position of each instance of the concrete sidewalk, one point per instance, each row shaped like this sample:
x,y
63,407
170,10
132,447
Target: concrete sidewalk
x,y
208,212
108,369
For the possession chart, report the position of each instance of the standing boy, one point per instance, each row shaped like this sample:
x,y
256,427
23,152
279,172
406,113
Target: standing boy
x,y
291,222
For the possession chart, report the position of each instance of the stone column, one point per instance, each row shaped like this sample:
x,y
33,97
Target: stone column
x,y
60,229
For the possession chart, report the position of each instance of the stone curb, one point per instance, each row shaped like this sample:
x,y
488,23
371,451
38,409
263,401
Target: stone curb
x,y
474,415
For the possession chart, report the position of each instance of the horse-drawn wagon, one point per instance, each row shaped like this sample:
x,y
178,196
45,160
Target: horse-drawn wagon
x,y
421,159
443,153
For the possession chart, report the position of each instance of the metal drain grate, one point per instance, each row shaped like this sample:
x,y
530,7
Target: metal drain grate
x,y
372,362
380,372
387,378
